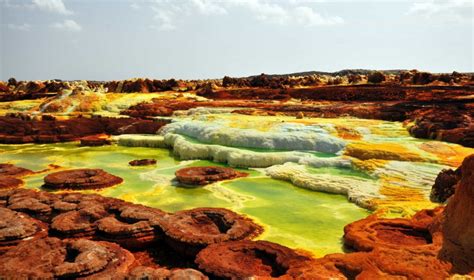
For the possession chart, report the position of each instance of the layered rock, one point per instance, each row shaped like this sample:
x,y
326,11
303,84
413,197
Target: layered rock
x,y
15,130
189,231
203,175
80,179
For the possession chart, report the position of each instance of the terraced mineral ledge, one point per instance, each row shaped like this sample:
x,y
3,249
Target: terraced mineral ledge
x,y
348,175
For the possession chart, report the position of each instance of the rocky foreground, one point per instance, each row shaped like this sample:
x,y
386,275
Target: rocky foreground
x,y
87,236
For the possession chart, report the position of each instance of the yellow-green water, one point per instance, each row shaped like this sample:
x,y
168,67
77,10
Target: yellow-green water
x,y
291,216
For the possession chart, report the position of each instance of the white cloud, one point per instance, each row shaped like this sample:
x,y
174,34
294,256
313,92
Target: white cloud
x,y
67,25
267,11
457,10
306,16
164,18
19,27
208,7
55,6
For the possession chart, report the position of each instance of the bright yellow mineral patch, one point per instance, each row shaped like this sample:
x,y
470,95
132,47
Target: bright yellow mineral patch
x,y
449,154
387,151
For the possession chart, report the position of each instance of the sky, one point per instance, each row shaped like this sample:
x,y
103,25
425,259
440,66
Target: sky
x,y
198,39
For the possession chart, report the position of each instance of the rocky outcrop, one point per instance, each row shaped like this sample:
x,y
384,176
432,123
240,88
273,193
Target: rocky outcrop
x,y
142,162
448,123
189,231
7,169
15,227
144,272
445,185
372,232
130,226
10,175
95,140
60,259
203,175
457,222
248,259
80,179
7,182
20,129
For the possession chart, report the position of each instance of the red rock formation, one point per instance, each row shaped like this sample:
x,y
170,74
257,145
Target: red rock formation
x,y
447,123
189,231
22,129
206,175
130,227
383,263
9,182
80,179
371,232
246,259
458,222
144,272
10,174
54,258
95,140
142,162
15,227
7,169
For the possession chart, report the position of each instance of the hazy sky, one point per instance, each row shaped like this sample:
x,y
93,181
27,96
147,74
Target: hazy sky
x,y
105,40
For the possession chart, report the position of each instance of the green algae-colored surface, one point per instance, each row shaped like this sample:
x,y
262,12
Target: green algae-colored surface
x,y
291,216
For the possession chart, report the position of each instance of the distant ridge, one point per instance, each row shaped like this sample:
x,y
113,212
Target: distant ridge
x,y
343,72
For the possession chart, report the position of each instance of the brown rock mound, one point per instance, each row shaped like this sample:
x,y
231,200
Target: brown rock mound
x,y
16,227
9,182
95,140
143,272
141,162
130,227
80,179
458,222
445,184
206,175
7,169
368,233
384,263
73,224
243,259
53,258
189,231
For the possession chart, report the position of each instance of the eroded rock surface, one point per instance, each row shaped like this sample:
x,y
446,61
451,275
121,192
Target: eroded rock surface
x,y
206,175
80,179
188,231
243,259
52,258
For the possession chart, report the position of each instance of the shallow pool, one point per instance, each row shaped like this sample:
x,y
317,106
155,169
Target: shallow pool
x,y
292,216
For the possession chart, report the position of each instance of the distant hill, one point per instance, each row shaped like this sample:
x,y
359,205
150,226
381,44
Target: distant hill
x,y
339,73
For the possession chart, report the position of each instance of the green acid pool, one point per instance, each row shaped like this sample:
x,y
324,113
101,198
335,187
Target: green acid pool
x,y
292,216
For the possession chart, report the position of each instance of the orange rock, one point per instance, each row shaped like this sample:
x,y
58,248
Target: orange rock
x,y
458,222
